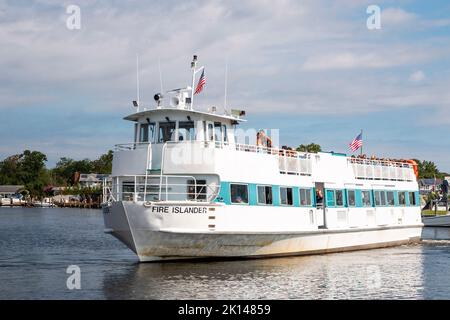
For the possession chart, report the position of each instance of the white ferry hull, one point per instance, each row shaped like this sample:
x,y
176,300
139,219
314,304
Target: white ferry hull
x,y
151,243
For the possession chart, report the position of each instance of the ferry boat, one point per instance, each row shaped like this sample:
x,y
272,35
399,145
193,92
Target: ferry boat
x,y
186,189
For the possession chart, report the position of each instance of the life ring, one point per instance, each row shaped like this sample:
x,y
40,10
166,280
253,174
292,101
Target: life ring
x,y
415,167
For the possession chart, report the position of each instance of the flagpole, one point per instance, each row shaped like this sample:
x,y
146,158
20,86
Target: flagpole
x,y
193,65
361,144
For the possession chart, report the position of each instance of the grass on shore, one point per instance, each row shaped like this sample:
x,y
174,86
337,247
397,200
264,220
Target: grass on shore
x,y
431,212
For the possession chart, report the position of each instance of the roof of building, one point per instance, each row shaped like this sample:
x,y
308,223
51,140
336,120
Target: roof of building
x,y
92,177
430,182
10,188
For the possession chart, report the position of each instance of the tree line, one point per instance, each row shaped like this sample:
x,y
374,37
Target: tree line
x,y
28,169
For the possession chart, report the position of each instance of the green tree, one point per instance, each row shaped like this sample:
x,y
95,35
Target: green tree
x,y
312,147
104,163
9,169
428,169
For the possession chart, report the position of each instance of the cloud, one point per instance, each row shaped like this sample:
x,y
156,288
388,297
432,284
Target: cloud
x,y
417,76
397,17
295,57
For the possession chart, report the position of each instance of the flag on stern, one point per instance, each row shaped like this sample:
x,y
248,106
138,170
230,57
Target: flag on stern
x,y
356,143
201,83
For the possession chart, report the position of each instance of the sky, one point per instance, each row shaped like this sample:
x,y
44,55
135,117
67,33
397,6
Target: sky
x,y
312,69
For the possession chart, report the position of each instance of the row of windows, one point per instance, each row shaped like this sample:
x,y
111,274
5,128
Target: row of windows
x,y
186,131
239,193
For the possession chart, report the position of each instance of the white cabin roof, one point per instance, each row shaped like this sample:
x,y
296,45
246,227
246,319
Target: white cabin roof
x,y
170,111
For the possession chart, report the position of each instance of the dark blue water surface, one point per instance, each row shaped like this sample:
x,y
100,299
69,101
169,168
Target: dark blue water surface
x,y
37,245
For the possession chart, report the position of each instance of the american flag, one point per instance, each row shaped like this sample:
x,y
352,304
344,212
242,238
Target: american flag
x,y
356,143
201,83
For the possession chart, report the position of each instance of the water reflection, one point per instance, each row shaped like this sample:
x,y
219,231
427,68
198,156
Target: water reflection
x,y
37,245
372,274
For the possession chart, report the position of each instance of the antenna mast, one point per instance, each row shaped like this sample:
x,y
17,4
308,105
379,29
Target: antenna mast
x,y
137,81
226,84
160,75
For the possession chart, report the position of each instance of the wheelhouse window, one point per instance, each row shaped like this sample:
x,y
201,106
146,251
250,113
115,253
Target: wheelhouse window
x,y
186,131
218,131
390,198
351,198
286,196
402,198
412,199
339,198
239,193
210,132
224,132
365,197
265,195
305,197
147,132
166,131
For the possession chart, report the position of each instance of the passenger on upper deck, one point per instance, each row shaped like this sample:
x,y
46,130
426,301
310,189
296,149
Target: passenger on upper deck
x,y
319,196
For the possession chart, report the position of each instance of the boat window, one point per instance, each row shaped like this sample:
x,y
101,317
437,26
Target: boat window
x,y
264,195
143,133
239,193
224,131
217,131
366,198
390,198
339,198
286,196
196,191
147,132
127,190
351,198
377,198
305,197
186,131
412,199
401,198
383,198
166,130
210,132
330,198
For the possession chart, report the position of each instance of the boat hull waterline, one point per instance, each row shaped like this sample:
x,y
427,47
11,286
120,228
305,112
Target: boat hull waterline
x,y
153,244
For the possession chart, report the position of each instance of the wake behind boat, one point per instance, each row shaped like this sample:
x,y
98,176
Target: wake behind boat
x,y
184,188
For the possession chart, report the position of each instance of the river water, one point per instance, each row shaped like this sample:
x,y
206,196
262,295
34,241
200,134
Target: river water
x,y
37,245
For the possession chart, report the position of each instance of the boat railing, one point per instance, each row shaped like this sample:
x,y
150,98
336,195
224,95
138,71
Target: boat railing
x,y
131,146
158,188
374,169
289,161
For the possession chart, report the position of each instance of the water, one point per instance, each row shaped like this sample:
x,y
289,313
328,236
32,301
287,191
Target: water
x,y
37,245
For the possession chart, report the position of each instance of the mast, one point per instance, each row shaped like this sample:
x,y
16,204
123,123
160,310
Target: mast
x,y
193,65
137,82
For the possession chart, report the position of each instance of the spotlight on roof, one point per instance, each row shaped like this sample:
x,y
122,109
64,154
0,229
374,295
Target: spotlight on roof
x,y
157,97
135,103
